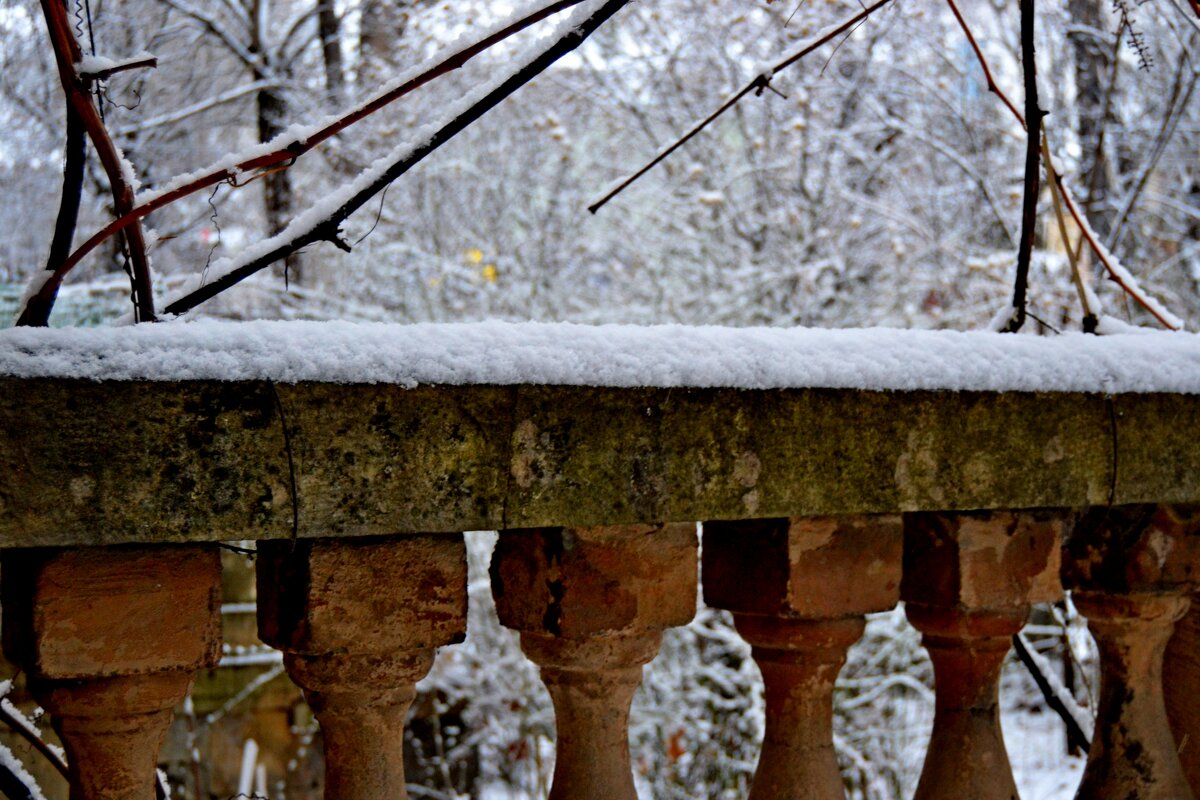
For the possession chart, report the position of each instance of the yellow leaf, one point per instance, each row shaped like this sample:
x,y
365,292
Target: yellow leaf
x,y
490,273
475,255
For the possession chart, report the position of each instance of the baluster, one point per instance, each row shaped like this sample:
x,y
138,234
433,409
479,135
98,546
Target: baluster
x,y
799,591
359,621
1181,680
1131,570
111,639
969,581
591,605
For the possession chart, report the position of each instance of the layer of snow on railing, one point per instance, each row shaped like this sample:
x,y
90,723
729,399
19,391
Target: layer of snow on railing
x,y
502,353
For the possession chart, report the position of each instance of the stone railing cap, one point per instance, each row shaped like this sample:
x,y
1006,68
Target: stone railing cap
x,y
508,354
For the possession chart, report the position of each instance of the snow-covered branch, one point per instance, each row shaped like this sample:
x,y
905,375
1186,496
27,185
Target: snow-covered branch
x,y
323,221
290,145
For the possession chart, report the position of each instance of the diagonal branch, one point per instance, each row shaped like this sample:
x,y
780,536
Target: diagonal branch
x,y
758,85
1087,299
317,224
67,54
992,86
284,150
214,26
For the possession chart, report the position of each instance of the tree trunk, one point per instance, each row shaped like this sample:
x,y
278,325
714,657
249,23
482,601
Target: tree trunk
x,y
1093,75
329,27
277,185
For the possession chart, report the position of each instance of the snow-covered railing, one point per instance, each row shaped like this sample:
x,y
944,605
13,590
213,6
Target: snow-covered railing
x,y
836,472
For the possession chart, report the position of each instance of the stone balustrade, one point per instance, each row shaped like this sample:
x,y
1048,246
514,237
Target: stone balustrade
x,y
819,506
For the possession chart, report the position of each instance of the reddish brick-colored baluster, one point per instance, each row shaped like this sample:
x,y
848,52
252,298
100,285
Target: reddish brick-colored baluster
x,y
111,639
591,605
359,621
969,581
799,591
1131,570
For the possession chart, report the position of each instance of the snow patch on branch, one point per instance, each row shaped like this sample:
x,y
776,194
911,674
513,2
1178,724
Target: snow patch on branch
x,y
311,219
301,133
14,765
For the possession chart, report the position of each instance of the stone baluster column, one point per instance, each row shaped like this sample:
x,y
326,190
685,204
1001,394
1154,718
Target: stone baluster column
x,y
359,621
1131,570
1181,680
799,590
591,605
111,639
969,582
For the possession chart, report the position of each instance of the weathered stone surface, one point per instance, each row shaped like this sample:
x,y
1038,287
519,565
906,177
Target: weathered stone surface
x,y
359,621
1133,753
799,590
969,582
966,756
98,612
112,730
589,582
591,605
800,660
91,463
805,567
984,560
591,683
363,595
169,462
1132,570
1134,549
110,639
1181,681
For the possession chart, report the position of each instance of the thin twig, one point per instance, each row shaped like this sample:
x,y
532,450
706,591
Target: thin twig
x,y
289,149
1091,316
1075,735
149,62
1176,106
992,86
758,84
35,741
1033,172
328,228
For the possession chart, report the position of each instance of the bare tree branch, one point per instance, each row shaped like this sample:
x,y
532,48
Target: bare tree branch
x,y
288,149
1033,172
214,26
1075,735
1091,315
992,86
758,85
147,62
195,108
74,160
1117,274
328,227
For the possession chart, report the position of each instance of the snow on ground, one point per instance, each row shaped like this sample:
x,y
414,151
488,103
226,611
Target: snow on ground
x,y
503,353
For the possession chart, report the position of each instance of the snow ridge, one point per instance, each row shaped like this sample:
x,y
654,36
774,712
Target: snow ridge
x,y
504,353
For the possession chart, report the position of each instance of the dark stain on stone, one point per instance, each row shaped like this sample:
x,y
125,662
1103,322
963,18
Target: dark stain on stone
x,y
552,550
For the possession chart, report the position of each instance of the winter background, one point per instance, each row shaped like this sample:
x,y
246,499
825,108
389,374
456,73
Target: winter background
x,y
880,185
